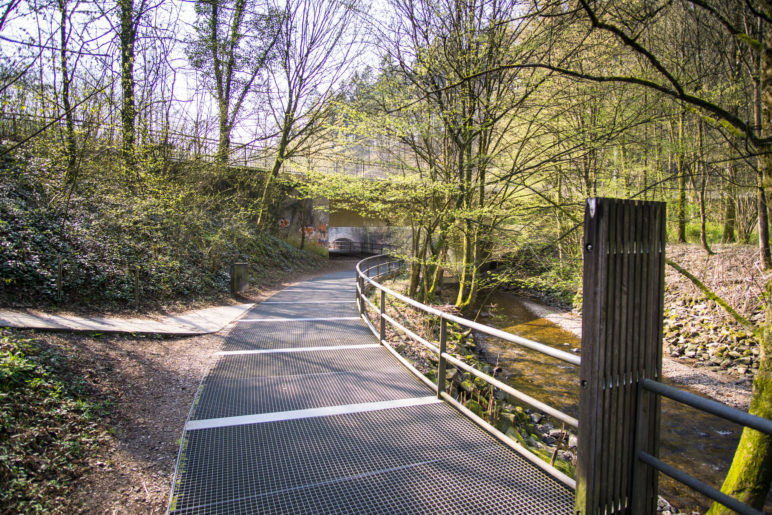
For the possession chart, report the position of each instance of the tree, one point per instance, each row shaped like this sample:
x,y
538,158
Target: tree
x,y
314,51
453,54
750,475
233,42
129,22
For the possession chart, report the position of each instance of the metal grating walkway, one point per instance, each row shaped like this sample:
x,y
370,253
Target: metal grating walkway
x,y
314,417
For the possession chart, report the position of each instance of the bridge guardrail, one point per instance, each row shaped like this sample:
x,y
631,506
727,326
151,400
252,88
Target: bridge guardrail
x,y
374,268
358,247
383,266
714,408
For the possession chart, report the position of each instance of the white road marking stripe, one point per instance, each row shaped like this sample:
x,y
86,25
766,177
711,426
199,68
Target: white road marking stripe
x,y
309,302
277,416
296,349
294,319
322,290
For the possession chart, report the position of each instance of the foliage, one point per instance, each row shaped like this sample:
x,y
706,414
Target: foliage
x,y
48,426
181,235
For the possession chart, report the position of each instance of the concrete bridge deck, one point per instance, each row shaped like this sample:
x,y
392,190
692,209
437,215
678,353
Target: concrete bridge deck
x,y
305,413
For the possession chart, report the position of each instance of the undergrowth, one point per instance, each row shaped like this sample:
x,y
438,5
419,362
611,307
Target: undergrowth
x,y
48,426
175,232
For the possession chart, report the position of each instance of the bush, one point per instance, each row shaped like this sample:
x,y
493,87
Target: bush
x,y
179,230
48,427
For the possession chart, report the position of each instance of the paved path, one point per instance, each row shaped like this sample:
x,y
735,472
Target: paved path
x,y
305,413
202,321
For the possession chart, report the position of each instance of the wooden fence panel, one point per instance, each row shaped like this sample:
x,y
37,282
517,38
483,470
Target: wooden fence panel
x,y
624,264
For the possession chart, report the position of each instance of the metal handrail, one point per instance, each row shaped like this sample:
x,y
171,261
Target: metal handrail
x,y
714,408
525,342
364,277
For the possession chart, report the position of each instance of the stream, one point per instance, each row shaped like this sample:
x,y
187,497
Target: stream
x,y
700,444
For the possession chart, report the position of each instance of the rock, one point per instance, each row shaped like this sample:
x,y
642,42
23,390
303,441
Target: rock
x,y
690,354
545,428
536,417
572,441
741,370
556,433
726,363
663,505
734,354
745,360
566,456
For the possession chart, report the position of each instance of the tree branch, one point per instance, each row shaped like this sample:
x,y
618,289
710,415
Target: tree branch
x,y
747,324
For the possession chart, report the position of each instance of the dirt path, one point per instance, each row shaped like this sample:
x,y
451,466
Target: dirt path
x,y
153,381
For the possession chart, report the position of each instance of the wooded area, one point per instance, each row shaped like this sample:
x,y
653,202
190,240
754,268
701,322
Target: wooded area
x,y
164,136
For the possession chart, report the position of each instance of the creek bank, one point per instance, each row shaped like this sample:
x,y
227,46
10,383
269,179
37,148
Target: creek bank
x,y
553,443
725,387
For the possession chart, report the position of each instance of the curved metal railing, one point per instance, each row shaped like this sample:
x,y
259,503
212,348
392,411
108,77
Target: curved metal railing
x,y
378,267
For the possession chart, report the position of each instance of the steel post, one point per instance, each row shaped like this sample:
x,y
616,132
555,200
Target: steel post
x,y
441,366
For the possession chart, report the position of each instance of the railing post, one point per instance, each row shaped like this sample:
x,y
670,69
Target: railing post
x,y
360,292
383,320
624,265
441,366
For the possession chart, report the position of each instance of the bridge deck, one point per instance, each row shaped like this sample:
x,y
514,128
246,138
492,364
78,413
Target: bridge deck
x,y
307,414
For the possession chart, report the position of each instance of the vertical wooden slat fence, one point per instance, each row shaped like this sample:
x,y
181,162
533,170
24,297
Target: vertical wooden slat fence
x,y
624,262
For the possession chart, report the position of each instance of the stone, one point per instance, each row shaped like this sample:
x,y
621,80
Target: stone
x,y
726,363
566,456
556,433
690,354
741,370
536,417
572,441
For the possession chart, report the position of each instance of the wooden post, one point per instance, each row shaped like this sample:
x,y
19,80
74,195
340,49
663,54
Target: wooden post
x,y
136,288
624,272
239,278
59,279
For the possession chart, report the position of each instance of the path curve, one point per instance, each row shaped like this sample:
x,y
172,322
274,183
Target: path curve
x,y
305,413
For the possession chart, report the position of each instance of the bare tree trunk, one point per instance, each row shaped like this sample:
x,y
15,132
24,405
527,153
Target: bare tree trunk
x,y
765,255
70,145
681,165
750,474
703,186
128,110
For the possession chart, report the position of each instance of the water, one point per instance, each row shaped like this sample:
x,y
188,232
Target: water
x,y
695,442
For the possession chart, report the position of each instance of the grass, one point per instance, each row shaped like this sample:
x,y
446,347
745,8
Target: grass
x,y
49,426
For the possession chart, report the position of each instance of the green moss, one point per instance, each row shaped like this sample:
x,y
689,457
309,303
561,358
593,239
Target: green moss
x,y
475,408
